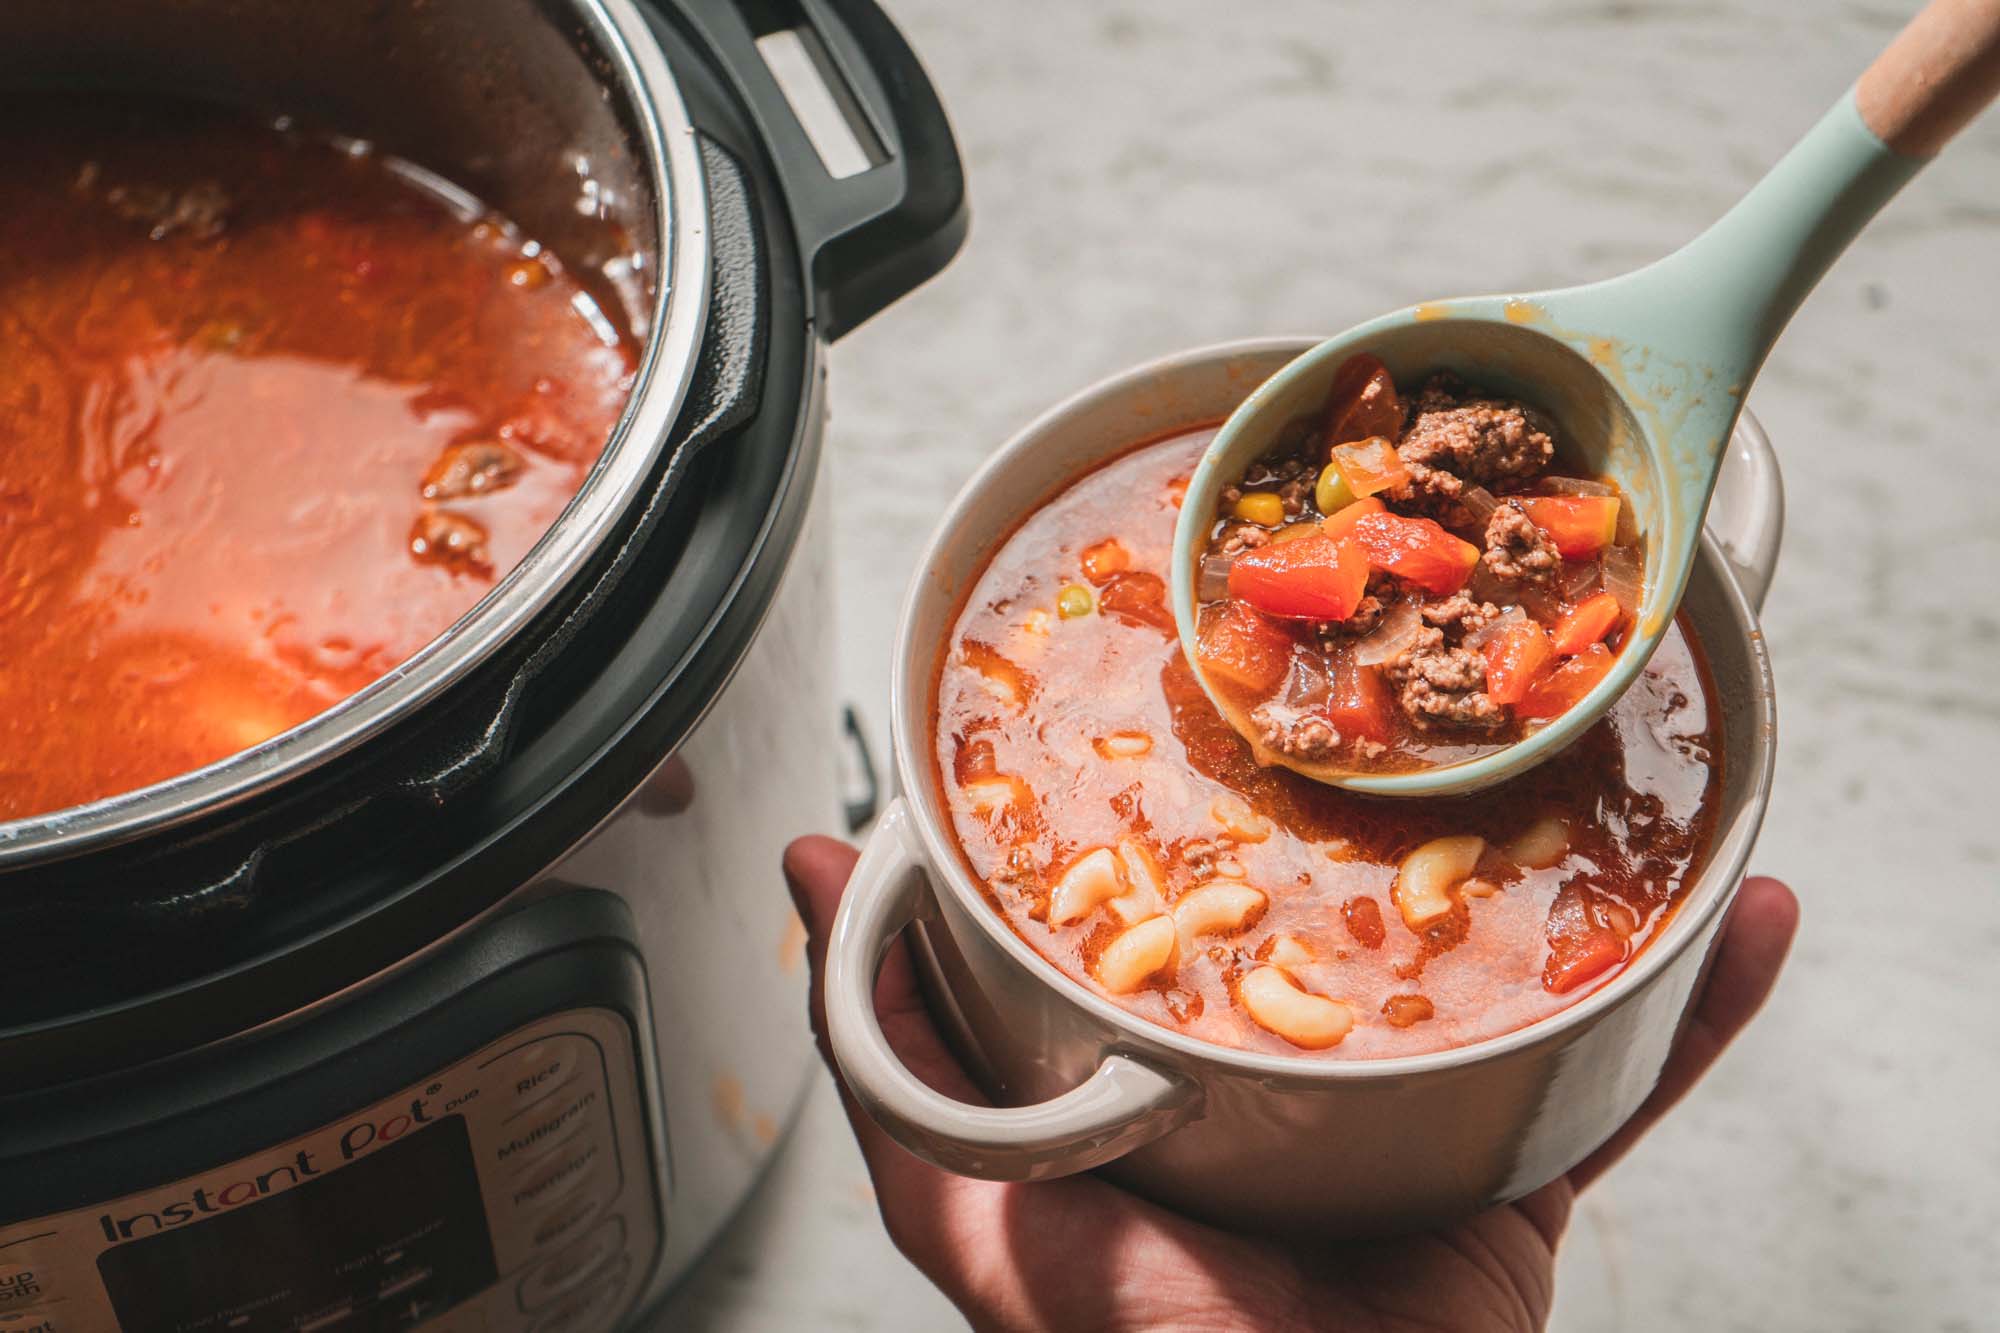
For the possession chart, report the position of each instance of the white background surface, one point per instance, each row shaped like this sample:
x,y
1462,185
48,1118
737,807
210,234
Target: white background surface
x,y
1151,176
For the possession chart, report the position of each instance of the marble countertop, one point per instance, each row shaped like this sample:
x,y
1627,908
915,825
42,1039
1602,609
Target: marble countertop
x,y
1151,176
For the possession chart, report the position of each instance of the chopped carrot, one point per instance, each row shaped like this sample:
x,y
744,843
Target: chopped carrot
x,y
1586,623
1561,688
1517,657
1579,525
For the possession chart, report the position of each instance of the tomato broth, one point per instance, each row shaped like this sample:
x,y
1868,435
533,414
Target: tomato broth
x,y
275,411
1130,836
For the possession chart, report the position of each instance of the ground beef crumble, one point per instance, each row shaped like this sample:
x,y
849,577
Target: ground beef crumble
x,y
1460,612
1305,737
1242,537
1516,548
1435,684
1476,438
1455,439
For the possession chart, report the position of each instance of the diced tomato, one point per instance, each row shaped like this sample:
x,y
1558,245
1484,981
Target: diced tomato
x,y
1341,522
1242,648
1314,578
1370,465
1579,525
1557,691
1139,598
1363,401
1358,702
1586,623
1418,550
1517,657
1177,491
1582,943
1104,559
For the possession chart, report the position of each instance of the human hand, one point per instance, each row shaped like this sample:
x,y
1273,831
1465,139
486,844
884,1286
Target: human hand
x,y
1080,1253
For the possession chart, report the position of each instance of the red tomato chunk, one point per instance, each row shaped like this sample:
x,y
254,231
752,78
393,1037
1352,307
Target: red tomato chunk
x,y
1313,578
1555,693
1245,649
1586,623
1416,550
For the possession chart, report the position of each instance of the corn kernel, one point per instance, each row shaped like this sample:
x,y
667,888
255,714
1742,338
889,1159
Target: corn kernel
x,y
1263,508
1075,602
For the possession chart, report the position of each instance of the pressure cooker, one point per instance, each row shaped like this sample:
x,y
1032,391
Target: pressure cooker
x,y
475,1001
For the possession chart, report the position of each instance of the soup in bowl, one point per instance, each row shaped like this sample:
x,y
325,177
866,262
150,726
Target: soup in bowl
x,y
1256,999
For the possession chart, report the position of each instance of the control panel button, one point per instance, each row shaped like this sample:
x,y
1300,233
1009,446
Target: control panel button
x,y
588,1308
564,1219
535,1069
582,1170
571,1268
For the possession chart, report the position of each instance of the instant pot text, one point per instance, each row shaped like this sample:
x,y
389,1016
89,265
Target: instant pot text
x,y
356,1140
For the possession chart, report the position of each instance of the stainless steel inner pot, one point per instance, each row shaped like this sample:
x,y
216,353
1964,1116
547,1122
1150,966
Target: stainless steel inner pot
x,y
560,114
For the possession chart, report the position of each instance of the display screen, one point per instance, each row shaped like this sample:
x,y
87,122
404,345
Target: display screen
x,y
385,1242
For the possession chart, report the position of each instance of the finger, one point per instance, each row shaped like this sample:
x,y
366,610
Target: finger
x,y
1754,943
925,1208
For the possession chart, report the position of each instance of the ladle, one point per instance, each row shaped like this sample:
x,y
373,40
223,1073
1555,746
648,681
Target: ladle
x,y
1645,373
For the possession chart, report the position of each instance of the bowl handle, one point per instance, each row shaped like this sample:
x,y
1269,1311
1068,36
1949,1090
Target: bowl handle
x,y
1752,528
1124,1104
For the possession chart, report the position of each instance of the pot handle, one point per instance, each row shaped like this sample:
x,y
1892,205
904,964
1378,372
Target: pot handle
x,y
1124,1104
870,237
1748,518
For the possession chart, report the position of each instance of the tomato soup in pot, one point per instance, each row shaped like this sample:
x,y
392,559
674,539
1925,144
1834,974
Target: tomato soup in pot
x,y
275,411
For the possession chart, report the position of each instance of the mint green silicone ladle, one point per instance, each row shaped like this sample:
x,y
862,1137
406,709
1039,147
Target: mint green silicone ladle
x,y
1644,374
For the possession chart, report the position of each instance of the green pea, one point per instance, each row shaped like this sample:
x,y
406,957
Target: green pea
x,y
1332,493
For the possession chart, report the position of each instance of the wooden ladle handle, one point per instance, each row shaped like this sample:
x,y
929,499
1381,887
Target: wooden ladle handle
x,y
1938,74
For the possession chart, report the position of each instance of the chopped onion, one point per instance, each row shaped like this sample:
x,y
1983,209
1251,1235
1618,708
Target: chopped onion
x,y
1480,501
1513,615
1624,576
1213,582
1575,486
1541,603
1579,579
1397,631
1306,684
1627,533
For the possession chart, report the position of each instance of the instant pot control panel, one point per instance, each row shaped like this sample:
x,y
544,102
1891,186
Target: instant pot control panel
x,y
513,1186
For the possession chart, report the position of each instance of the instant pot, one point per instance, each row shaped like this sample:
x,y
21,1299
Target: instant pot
x,y
475,1002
